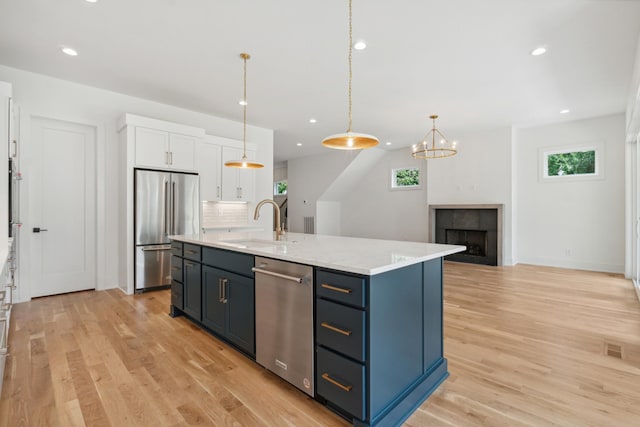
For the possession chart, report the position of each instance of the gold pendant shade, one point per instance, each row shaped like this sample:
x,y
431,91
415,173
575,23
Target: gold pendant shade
x,y
244,163
350,140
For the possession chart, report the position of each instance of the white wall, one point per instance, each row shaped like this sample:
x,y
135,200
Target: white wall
x,y
373,210
481,173
48,97
308,178
578,223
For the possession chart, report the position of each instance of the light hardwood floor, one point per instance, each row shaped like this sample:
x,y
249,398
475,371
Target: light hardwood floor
x,y
526,346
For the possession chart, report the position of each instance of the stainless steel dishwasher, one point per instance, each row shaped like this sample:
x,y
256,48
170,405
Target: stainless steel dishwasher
x,y
284,320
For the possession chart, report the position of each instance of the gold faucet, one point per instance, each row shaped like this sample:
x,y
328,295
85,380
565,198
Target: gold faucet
x,y
276,208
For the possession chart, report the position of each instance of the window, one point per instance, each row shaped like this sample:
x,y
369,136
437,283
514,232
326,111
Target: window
x,y
280,188
405,178
576,162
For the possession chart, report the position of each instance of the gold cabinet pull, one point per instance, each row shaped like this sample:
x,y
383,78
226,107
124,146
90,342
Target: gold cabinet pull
x,y
335,288
190,252
176,268
335,329
326,377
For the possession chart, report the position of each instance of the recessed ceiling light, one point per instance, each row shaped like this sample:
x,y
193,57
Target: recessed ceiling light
x,y
313,121
299,144
387,143
360,45
540,50
91,1
242,102
565,111
69,51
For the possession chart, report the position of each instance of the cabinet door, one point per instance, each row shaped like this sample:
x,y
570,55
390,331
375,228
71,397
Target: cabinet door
x,y
208,165
246,178
192,289
237,184
182,149
214,315
230,187
240,311
152,147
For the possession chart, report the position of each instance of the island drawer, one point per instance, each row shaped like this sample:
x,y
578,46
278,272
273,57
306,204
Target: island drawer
x,y
340,287
226,260
341,382
176,269
340,328
176,248
192,252
176,295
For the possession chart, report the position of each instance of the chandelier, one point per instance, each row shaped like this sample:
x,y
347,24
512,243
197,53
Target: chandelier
x,y
429,148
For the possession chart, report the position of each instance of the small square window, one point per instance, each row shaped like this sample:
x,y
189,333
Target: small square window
x,y
405,179
575,162
280,188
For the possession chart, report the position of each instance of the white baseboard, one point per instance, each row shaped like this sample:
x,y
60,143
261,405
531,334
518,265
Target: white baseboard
x,y
636,285
572,264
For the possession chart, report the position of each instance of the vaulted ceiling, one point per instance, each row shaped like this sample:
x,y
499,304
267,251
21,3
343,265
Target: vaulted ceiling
x,y
467,60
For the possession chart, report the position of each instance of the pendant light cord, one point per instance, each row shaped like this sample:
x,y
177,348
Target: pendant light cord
x,y
244,108
350,60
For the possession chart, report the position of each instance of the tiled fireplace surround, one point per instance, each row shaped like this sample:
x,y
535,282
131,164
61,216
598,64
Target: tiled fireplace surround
x,y
479,226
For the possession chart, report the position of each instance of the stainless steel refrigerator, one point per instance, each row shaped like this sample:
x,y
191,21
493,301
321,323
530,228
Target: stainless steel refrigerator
x,y
166,203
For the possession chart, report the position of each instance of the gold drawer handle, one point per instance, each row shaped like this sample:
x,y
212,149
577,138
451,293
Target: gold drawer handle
x,y
326,377
334,288
190,252
176,268
334,329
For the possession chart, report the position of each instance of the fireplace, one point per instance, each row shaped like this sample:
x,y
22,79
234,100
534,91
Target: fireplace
x,y
474,240
478,227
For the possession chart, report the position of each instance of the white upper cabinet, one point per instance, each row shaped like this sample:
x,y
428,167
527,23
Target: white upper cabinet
x,y
160,149
161,145
182,151
152,147
237,184
209,166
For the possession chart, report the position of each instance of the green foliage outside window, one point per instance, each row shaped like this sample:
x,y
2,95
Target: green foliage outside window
x,y
571,163
406,177
280,188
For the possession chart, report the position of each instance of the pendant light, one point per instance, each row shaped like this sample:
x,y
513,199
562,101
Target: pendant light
x,y
350,140
244,163
429,148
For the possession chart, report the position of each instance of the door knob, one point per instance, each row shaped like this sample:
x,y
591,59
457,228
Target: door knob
x,y
38,229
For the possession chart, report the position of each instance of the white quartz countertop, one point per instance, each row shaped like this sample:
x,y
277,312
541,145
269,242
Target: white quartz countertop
x,y
240,227
351,254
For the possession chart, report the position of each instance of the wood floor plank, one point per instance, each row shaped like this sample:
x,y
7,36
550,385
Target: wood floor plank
x,y
526,345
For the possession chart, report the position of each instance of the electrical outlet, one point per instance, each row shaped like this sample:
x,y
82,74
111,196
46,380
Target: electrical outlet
x,y
567,252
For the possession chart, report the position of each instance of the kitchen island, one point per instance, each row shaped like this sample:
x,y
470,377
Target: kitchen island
x,y
375,309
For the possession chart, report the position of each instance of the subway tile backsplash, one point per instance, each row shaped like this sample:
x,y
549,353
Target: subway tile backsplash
x,y
215,214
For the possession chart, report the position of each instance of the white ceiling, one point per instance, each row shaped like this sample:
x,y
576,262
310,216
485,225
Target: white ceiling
x,y
466,60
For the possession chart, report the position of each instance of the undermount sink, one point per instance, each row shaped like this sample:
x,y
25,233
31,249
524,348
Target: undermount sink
x,y
252,243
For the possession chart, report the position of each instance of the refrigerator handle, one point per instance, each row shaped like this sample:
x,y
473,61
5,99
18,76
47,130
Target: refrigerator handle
x,y
173,207
166,210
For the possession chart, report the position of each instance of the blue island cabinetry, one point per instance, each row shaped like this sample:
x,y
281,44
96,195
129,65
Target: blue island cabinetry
x,y
377,339
215,288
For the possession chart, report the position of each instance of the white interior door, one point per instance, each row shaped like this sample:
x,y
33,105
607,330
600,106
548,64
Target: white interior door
x,y
61,171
